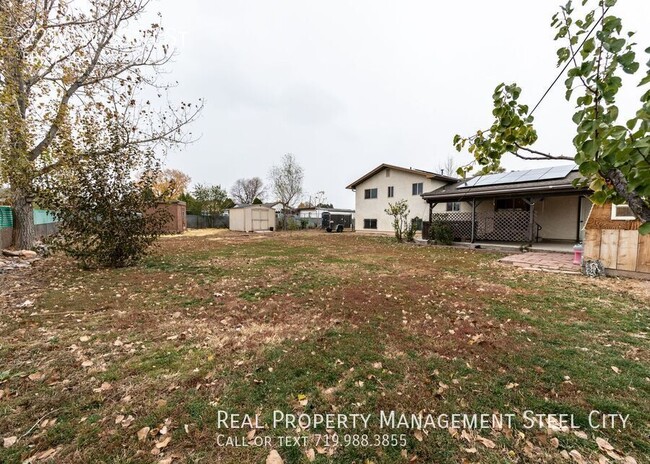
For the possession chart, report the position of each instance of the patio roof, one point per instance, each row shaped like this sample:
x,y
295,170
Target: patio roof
x,y
463,190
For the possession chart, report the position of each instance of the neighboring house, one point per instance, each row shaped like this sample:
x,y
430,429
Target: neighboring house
x,y
253,217
518,206
612,236
388,184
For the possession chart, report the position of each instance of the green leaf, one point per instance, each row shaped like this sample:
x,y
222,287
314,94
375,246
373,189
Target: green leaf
x,y
599,198
645,228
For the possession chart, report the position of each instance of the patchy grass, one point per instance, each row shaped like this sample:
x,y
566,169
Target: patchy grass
x,y
317,323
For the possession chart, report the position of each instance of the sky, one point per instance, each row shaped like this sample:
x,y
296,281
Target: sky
x,y
348,85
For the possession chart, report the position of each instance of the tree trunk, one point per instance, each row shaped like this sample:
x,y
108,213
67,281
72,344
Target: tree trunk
x,y
636,203
23,233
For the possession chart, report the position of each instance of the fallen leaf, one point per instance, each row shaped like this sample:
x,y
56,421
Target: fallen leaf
x,y
87,363
470,450
36,376
142,433
164,443
616,369
168,460
377,365
128,421
84,338
580,434
511,385
418,435
311,455
577,457
119,419
274,458
555,443
486,442
9,441
604,444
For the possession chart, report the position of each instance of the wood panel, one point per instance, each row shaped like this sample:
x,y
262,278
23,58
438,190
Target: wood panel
x,y
600,217
609,248
628,248
643,258
592,244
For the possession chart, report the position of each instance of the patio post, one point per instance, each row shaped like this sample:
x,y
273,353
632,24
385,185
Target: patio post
x,y
531,219
473,220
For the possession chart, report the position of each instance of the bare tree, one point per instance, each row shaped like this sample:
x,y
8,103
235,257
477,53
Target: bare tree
x,y
287,182
448,166
245,191
71,77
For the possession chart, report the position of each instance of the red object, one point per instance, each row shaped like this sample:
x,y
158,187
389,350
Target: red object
x,y
577,254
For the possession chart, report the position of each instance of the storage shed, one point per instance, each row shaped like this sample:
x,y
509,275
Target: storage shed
x,y
253,218
612,236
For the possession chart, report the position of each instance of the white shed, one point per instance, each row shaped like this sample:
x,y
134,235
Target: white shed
x,y
252,218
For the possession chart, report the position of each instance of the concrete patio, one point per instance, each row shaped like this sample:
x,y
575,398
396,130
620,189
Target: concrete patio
x,y
542,261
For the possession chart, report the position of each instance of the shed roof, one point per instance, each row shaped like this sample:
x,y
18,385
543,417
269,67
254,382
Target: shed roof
x,y
458,191
249,205
421,172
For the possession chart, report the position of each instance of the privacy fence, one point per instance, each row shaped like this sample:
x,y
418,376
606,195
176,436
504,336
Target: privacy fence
x,y
44,223
215,221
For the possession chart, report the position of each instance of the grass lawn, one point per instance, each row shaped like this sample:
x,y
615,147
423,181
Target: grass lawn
x,y
138,365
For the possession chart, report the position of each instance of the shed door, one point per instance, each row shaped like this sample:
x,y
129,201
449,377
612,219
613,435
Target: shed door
x,y
260,218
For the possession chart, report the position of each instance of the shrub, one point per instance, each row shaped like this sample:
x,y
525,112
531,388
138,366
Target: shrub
x,y
439,232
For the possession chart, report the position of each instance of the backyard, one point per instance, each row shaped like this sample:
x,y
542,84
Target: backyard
x,y
140,364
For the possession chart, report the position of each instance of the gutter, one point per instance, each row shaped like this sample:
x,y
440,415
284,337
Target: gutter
x,y
508,192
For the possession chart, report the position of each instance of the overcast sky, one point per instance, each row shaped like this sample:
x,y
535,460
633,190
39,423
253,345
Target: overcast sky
x,y
348,85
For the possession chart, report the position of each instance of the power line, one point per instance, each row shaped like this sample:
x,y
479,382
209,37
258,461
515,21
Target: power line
x,y
569,61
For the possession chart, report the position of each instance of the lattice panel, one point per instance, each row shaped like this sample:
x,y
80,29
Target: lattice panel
x,y
505,226
459,223
502,226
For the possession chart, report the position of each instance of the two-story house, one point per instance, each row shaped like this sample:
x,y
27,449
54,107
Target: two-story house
x,y
388,184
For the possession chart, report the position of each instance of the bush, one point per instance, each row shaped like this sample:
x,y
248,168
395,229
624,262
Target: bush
x,y
440,233
106,217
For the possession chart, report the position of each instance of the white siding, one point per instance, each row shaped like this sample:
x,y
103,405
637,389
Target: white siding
x,y
402,183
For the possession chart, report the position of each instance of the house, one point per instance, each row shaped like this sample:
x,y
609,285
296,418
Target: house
x,y
518,206
253,217
612,236
317,213
388,184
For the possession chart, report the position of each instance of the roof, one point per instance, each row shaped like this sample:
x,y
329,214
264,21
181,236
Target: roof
x,y
421,172
490,186
343,210
248,205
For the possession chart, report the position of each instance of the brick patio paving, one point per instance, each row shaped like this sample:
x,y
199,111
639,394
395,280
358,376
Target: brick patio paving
x,y
551,262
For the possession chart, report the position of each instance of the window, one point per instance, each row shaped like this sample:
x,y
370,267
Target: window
x,y
418,188
622,213
453,206
511,203
370,223
391,192
370,193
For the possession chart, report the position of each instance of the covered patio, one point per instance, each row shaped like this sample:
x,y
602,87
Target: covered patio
x,y
538,207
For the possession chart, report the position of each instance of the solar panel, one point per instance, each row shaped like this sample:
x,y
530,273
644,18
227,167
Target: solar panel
x,y
515,177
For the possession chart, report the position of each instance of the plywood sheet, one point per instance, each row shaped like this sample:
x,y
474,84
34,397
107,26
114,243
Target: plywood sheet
x,y
609,248
643,257
592,244
628,248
